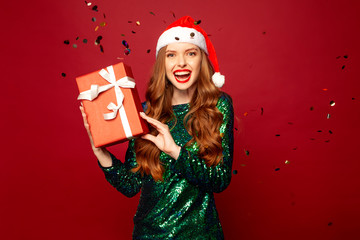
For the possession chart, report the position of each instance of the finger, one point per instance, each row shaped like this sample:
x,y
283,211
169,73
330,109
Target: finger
x,y
149,119
155,123
149,137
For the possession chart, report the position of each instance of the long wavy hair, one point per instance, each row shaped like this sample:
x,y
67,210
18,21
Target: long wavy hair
x,y
202,121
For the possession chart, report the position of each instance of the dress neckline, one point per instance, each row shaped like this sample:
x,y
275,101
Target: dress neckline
x,y
182,106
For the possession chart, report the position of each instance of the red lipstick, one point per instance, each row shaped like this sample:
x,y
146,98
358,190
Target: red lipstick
x,y
182,76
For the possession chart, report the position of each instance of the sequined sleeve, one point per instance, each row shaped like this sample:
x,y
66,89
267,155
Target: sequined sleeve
x,y
194,169
119,175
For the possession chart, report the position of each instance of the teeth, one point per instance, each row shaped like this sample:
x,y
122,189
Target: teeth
x,y
182,73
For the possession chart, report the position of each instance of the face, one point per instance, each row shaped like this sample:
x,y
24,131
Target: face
x,y
182,64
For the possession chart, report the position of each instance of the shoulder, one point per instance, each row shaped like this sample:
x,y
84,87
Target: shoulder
x,y
224,101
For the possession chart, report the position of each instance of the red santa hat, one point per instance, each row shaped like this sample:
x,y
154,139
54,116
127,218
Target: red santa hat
x,y
185,30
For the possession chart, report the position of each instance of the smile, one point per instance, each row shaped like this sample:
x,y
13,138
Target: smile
x,y
182,76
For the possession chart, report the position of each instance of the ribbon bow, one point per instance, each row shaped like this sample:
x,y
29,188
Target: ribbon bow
x,y
95,90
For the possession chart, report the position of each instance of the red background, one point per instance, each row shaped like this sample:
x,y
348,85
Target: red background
x,y
277,55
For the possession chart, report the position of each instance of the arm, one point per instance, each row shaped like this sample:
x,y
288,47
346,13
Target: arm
x,y
119,174
194,169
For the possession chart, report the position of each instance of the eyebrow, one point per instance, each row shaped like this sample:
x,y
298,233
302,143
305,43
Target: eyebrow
x,y
189,49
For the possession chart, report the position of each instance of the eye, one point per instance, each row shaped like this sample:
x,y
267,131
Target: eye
x,y
192,54
170,55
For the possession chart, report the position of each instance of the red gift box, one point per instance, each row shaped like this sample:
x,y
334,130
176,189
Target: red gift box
x,y
112,105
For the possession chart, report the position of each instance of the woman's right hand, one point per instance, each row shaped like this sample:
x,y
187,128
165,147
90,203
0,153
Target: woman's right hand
x,y
101,153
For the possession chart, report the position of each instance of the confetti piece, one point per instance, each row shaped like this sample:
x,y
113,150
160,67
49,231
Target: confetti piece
x,y
123,35
197,22
327,141
338,57
277,169
85,40
74,45
96,28
246,113
129,21
287,162
98,39
330,224
236,129
247,152
63,74
94,8
332,103
101,49
127,51
235,172
148,51
103,24
330,132
133,32
93,19
152,13
311,108
67,42
319,131
104,15
328,116
242,165
345,56
173,14
262,111
125,44
325,89
343,67
264,33
88,3
312,139
277,135
353,98
294,148
138,23
77,38
222,135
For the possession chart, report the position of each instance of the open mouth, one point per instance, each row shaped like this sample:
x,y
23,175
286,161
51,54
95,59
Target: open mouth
x,y
182,76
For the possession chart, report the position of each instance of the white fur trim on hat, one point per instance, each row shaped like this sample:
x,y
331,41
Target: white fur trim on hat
x,y
218,79
181,34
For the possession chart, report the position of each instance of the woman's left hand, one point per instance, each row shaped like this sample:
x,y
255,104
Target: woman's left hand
x,y
164,141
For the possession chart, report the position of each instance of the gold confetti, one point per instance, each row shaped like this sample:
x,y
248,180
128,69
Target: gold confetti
x,y
138,23
96,28
332,103
103,24
287,162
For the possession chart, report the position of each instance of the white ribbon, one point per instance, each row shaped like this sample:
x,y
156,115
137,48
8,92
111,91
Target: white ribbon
x,y
95,90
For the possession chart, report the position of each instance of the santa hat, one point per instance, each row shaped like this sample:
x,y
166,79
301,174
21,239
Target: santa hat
x,y
185,30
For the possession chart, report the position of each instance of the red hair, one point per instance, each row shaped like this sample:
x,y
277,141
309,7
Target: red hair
x,y
203,120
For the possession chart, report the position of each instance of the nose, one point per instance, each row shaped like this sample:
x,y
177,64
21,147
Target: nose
x,y
181,61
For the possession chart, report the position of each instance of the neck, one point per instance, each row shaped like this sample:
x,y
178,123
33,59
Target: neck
x,y
182,96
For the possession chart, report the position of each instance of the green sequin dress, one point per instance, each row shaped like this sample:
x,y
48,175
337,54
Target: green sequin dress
x,y
183,205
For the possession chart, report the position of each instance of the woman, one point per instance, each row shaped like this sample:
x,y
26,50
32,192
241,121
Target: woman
x,y
188,154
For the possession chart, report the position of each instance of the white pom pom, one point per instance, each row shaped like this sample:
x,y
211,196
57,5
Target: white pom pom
x,y
218,79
